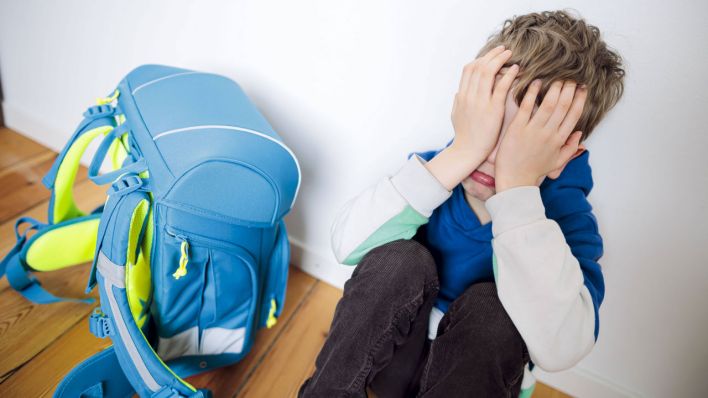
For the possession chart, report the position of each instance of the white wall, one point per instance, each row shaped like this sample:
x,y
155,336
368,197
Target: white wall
x,y
354,86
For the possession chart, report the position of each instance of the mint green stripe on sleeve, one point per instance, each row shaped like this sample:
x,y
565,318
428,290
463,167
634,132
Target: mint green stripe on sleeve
x,y
527,392
494,266
402,226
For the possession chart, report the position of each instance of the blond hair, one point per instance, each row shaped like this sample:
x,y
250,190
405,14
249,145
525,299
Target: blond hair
x,y
554,45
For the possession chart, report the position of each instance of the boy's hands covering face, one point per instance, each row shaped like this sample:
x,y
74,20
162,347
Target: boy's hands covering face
x,y
478,110
534,145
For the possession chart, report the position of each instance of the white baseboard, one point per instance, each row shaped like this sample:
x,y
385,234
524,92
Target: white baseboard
x,y
319,265
32,126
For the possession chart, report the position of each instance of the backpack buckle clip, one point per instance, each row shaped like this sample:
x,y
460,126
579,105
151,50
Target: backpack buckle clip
x,y
100,324
125,184
99,111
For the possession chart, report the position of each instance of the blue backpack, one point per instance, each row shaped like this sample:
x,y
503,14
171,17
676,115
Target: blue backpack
x,y
190,252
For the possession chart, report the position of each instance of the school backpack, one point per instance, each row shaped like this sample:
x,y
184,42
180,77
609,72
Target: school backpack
x,y
190,251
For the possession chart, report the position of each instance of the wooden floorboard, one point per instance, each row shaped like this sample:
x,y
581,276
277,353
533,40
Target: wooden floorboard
x,y
39,377
15,148
87,196
40,344
21,185
26,328
292,359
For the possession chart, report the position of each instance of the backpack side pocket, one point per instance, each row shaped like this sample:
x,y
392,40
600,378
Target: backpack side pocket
x,y
276,279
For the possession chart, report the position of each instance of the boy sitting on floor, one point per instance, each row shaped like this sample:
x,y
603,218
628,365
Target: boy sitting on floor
x,y
472,265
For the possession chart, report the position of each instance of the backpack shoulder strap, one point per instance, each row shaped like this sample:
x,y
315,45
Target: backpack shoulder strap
x,y
69,236
98,121
124,219
67,226
99,376
19,276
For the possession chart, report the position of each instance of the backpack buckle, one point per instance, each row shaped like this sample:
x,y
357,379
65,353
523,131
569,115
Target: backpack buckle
x,y
99,111
100,324
126,184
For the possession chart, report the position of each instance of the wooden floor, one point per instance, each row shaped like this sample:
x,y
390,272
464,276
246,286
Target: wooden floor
x,y
39,344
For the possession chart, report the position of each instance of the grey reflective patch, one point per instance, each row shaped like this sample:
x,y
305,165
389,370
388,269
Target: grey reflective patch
x,y
124,334
221,340
110,271
183,343
213,341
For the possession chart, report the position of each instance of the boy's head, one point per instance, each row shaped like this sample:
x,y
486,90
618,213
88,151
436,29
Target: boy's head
x,y
554,45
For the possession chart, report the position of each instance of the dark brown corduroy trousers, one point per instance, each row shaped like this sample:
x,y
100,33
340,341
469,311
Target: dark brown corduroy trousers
x,y
378,338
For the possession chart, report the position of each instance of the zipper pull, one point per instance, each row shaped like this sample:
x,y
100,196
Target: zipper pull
x,y
272,320
183,259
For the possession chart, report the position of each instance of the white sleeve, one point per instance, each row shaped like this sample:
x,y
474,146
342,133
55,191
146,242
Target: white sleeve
x,y
391,209
539,281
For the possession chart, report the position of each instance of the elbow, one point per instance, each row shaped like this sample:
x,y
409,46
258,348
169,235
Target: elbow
x,y
337,244
343,257
557,357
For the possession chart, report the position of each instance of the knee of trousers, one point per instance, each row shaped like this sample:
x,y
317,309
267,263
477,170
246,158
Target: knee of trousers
x,y
400,265
485,322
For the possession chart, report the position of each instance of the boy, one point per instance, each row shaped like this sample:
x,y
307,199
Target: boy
x,y
473,267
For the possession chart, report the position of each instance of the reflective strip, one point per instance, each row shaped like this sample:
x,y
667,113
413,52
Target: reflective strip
x,y
214,341
221,340
181,344
112,273
140,87
244,130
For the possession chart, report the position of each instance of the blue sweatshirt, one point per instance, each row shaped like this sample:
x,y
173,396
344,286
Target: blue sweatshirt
x,y
462,246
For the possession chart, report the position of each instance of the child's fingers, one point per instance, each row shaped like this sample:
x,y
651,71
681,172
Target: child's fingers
x,y
469,69
481,65
465,79
526,107
540,118
501,88
574,114
491,54
565,99
569,148
488,72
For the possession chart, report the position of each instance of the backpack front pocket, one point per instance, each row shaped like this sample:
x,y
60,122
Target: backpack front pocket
x,y
209,296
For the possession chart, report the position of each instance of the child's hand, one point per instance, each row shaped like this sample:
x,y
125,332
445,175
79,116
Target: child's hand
x,y
478,110
530,149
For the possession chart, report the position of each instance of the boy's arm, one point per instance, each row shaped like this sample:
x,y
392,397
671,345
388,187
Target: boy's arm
x,y
394,208
391,209
551,291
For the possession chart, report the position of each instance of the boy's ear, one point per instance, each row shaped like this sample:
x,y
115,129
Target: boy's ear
x,y
557,172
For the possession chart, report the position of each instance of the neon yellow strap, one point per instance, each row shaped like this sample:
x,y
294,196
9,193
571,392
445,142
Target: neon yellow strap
x,y
108,100
138,283
137,275
64,205
63,246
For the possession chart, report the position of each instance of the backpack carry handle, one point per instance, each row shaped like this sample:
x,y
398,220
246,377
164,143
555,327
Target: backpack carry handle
x,y
136,167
